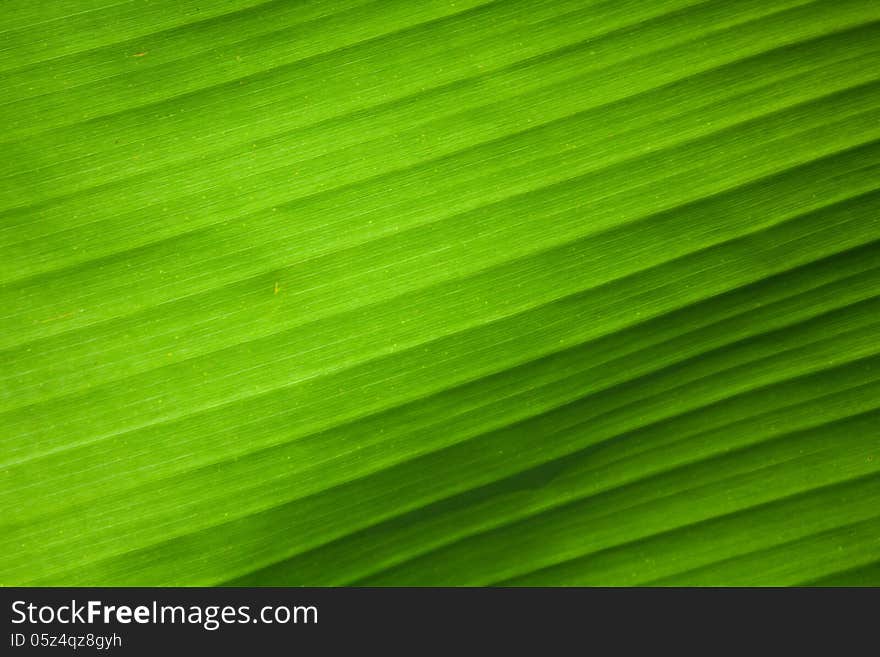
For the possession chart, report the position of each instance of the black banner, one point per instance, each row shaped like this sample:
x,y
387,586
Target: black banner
x,y
413,621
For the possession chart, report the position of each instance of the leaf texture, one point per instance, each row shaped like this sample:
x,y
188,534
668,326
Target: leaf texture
x,y
558,292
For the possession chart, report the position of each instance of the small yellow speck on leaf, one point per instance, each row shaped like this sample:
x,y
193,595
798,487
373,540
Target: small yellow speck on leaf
x,y
139,54
57,317
277,287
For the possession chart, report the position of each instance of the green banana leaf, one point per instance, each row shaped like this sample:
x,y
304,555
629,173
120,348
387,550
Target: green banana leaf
x,y
440,292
